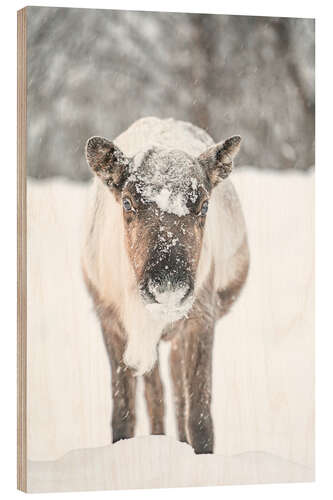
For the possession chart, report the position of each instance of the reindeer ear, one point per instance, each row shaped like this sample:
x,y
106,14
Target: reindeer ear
x,y
107,162
218,160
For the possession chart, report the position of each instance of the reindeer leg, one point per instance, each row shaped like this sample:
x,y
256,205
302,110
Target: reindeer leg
x,y
123,387
177,375
198,373
154,395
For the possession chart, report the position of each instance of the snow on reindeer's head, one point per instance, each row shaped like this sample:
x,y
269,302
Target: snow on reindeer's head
x,y
164,196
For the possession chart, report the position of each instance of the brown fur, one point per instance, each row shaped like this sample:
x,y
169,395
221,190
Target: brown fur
x,y
123,378
190,364
154,395
227,296
142,231
164,247
191,358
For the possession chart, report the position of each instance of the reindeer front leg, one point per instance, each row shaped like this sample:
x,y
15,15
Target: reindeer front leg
x,y
198,341
123,387
178,379
154,395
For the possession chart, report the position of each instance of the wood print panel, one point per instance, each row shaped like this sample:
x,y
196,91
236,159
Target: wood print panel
x,y
203,206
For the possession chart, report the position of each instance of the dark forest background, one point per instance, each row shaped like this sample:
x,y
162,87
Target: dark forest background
x,y
94,72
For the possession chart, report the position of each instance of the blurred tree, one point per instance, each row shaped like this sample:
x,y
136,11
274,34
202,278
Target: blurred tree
x,y
95,72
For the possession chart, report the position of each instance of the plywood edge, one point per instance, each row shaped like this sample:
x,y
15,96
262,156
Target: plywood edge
x,y
21,251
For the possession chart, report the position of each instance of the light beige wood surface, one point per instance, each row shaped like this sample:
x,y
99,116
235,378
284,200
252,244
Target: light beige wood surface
x,y
158,462
21,250
263,382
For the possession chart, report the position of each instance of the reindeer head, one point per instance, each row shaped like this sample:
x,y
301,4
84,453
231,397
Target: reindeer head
x,y
164,196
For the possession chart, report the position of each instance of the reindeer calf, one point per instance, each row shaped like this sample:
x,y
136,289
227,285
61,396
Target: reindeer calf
x,y
165,256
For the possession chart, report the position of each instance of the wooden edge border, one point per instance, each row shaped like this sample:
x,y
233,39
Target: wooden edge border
x,y
21,251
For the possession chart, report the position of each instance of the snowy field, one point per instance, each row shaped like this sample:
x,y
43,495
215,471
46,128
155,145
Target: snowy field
x,y
263,380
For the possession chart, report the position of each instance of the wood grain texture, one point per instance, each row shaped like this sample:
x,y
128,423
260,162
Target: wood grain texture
x,y
21,251
263,366
263,380
158,462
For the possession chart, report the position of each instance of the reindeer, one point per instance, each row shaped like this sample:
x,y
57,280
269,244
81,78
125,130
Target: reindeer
x,y
165,257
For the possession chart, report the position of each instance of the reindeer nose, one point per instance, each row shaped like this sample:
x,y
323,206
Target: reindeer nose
x,y
168,294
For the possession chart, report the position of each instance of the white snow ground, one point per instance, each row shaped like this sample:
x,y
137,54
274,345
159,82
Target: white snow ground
x,y
263,381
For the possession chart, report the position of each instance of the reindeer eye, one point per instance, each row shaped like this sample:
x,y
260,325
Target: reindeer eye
x,y
204,208
127,205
